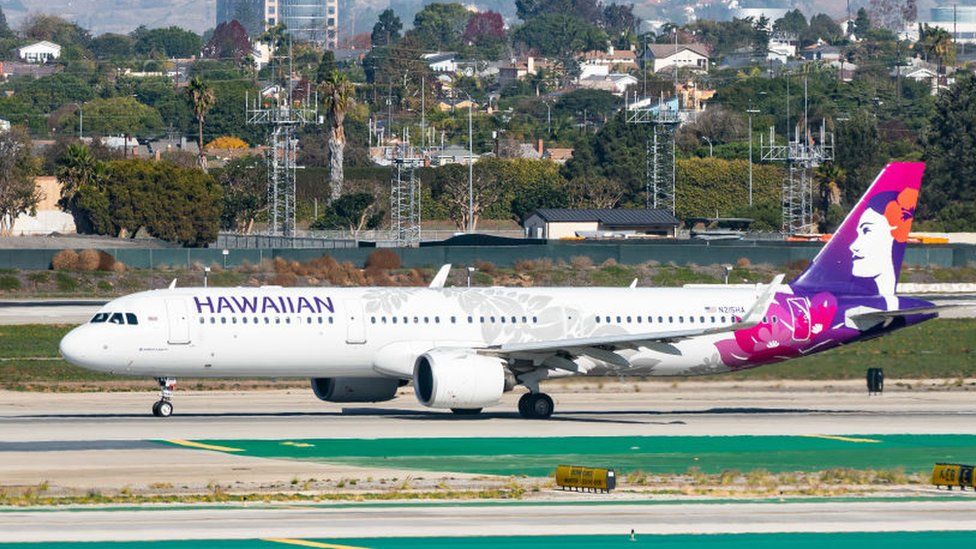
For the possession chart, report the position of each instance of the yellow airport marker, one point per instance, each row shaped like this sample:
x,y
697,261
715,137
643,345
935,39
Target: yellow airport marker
x,y
307,543
297,444
843,439
202,446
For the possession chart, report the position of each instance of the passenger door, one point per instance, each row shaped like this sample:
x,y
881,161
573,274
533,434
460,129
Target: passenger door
x,y
179,321
355,322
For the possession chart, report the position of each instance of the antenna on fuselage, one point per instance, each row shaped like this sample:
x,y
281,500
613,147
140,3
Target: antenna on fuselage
x,y
172,284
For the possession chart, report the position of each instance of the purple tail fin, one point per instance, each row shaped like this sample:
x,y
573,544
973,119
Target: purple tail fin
x,y
865,254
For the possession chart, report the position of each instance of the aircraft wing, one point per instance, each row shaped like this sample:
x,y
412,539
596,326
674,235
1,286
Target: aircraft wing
x,y
603,344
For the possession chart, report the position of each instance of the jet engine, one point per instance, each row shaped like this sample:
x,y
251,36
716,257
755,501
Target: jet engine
x,y
355,389
458,379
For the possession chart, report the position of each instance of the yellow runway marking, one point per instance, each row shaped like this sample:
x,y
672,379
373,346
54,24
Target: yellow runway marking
x,y
843,439
307,543
202,446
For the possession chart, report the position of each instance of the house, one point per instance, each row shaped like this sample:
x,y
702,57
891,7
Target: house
x,y
441,61
821,51
667,56
517,70
920,70
781,48
554,223
40,52
559,155
615,83
693,98
602,63
48,217
452,154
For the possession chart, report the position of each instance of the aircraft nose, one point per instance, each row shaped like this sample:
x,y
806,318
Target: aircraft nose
x,y
75,347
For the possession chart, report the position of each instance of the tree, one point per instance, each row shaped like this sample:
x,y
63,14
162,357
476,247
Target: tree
x,y
440,26
822,27
18,191
950,175
114,116
760,37
78,172
229,41
110,45
244,183
793,22
859,153
168,42
201,98
560,35
594,192
449,187
338,93
936,42
387,29
5,31
326,65
484,27
56,29
353,212
862,23
169,202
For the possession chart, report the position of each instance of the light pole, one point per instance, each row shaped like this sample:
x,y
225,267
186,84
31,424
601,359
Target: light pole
x,y
471,271
206,271
709,141
751,112
548,118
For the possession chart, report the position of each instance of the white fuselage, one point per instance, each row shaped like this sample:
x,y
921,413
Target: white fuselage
x,y
367,332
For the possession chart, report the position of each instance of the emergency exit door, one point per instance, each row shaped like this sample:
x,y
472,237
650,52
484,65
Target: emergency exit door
x,y
355,322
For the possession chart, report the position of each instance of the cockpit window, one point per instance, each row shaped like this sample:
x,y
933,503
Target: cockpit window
x,y
116,318
100,317
131,319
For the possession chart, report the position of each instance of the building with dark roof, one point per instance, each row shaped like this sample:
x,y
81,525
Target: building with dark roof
x,y
557,223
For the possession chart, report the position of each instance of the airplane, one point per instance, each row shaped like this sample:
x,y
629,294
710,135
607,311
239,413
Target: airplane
x,y
463,348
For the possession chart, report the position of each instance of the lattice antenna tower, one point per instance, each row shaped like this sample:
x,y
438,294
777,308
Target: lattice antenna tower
x,y
662,120
801,154
284,116
405,196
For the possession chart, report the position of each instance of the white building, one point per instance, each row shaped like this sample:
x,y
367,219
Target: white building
x,y
615,83
781,48
667,56
445,62
556,223
40,52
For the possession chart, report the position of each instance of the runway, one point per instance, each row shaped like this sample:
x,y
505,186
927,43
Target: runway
x,y
660,408
481,520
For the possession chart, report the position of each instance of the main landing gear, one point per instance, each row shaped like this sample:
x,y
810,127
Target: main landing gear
x,y
535,406
164,406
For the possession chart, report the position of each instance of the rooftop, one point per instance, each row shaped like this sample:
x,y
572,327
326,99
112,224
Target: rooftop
x,y
616,217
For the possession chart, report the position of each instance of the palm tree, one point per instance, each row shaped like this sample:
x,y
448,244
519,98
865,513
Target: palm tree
x,y
337,91
76,171
201,99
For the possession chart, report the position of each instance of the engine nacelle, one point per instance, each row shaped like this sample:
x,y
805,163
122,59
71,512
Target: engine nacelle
x,y
458,378
355,389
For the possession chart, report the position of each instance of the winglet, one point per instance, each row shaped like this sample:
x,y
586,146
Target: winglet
x,y
755,314
441,277
172,284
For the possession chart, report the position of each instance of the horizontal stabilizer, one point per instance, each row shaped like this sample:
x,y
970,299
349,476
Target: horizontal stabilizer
x,y
878,316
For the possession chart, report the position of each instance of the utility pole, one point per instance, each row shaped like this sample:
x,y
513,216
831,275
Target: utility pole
x,y
470,164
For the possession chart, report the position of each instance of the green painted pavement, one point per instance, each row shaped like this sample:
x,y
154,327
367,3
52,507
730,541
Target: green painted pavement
x,y
538,457
857,540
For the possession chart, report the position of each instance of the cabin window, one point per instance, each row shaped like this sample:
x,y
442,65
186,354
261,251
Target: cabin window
x,y
618,320
244,320
774,319
691,319
233,320
394,319
372,320
277,320
453,320
416,320
426,320
502,319
628,320
524,320
660,319
481,319
213,320
223,320
470,320
492,320
638,319
534,320
202,320
287,320
670,320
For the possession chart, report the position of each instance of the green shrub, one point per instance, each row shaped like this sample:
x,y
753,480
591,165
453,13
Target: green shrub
x,y
66,282
9,282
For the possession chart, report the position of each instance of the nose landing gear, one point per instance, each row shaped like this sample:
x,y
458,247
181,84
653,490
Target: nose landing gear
x,y
164,406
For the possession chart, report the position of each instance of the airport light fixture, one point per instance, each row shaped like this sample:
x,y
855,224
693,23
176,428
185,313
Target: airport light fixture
x,y
471,271
206,272
728,271
225,253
